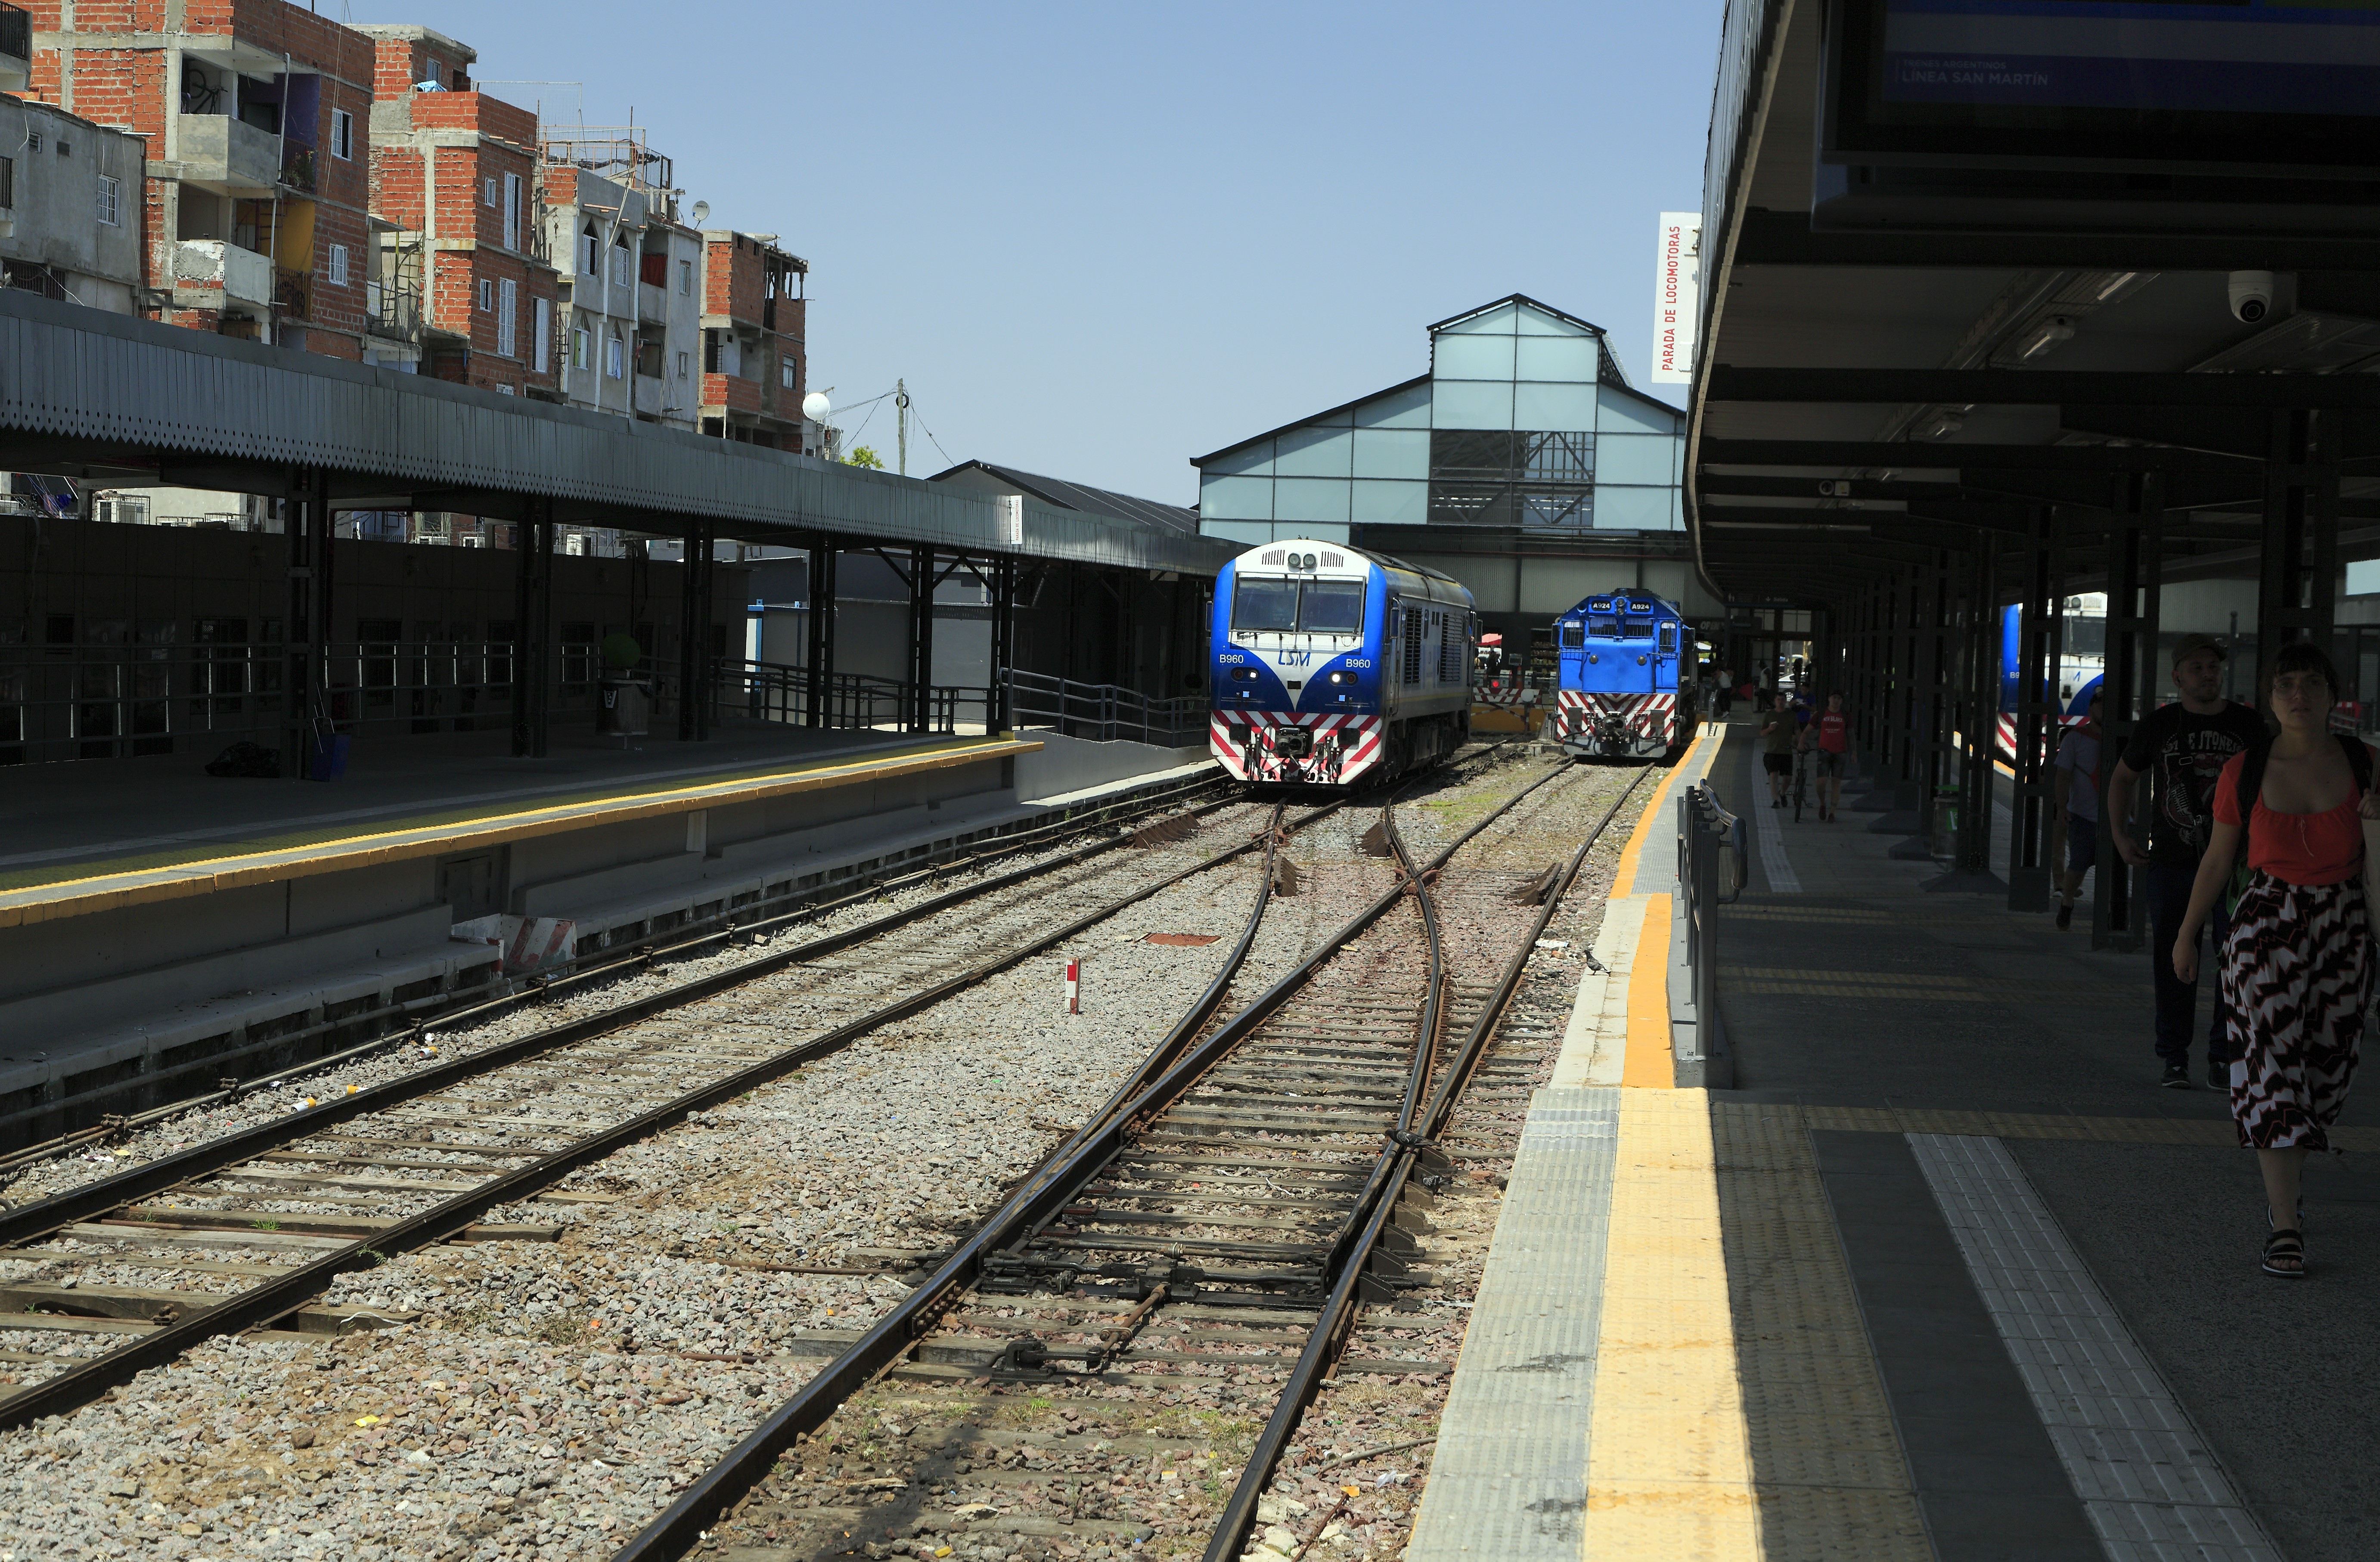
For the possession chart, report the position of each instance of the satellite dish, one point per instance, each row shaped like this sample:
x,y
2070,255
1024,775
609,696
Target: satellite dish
x,y
815,406
702,212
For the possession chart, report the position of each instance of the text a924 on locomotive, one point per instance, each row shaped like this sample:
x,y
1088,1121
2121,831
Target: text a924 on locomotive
x,y
1331,665
1627,676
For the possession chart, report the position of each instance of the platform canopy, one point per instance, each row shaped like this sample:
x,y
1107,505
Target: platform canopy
x,y
132,402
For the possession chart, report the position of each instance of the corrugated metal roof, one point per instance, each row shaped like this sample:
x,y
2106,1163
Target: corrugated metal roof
x,y
110,389
1082,496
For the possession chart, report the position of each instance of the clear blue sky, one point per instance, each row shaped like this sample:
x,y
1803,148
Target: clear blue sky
x,y
1098,239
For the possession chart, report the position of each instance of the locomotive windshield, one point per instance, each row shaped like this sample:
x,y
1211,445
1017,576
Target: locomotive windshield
x,y
1265,604
1332,607
1640,629
1317,607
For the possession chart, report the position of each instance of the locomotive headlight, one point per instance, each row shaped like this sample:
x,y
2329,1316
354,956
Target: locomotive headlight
x,y
1244,675
1342,677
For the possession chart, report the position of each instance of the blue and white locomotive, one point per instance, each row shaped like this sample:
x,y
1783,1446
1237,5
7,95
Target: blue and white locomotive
x,y
1627,676
1331,664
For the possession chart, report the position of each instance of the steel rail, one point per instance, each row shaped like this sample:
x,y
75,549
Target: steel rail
x,y
684,1525
285,1293
1381,1196
644,954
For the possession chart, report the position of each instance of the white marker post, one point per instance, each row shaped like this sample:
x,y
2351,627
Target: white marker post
x,y
1074,987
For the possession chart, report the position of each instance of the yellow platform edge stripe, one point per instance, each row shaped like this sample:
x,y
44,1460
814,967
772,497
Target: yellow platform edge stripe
x,y
82,897
1646,1061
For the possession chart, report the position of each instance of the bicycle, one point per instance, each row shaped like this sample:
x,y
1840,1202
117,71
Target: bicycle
x,y
1801,778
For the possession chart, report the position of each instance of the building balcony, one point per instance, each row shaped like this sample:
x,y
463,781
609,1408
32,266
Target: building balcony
x,y
229,154
15,48
653,304
212,274
648,395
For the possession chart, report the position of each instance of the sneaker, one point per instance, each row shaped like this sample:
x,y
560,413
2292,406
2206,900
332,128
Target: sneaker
x,y
2176,1076
2065,916
2219,1075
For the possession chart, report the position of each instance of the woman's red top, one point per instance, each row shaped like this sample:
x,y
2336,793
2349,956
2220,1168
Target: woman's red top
x,y
2326,848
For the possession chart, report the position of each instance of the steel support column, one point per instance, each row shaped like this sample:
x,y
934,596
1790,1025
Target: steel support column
x,y
921,639
821,670
306,536
1003,645
532,628
2297,587
2035,727
694,635
2135,552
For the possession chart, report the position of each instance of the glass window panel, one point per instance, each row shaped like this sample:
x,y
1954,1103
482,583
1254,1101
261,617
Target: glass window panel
x,y
1384,504
1483,454
1408,408
1470,357
1536,322
1253,461
1235,499
1618,409
1469,505
1637,458
1555,457
1635,509
1392,452
1564,508
1265,604
1247,533
1569,359
1315,452
1310,499
1553,407
1495,322
1471,403
1332,607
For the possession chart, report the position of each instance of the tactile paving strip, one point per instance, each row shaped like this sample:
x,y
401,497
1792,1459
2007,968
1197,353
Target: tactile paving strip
x,y
1509,1478
2152,1487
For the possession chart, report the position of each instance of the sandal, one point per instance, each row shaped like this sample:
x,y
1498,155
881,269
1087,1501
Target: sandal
x,y
2284,1246
2269,1216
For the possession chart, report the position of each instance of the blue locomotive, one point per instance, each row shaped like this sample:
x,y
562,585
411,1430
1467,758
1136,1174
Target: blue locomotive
x,y
1627,676
1330,664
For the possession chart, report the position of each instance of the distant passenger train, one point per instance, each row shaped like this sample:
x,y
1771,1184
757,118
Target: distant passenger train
x,y
1331,664
1627,676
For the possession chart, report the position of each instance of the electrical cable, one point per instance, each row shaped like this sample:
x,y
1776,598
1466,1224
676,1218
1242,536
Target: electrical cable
x,y
928,432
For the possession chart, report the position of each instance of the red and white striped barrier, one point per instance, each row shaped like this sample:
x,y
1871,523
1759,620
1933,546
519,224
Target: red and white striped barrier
x,y
1651,720
1277,746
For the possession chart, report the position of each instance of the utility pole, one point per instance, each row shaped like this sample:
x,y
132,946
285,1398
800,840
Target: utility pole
x,y
901,403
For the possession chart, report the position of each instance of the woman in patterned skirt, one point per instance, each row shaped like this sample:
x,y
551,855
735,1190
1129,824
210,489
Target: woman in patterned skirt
x,y
2297,966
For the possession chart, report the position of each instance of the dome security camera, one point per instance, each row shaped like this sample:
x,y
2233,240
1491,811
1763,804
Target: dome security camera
x,y
2251,295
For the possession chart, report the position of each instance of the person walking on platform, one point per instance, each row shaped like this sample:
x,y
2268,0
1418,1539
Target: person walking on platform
x,y
2181,748
2076,795
1779,733
2297,959
1831,733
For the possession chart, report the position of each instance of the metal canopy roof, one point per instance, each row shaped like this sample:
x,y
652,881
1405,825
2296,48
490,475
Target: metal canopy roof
x,y
1083,496
1862,397
131,402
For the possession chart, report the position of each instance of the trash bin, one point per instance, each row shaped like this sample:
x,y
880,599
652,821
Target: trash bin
x,y
1944,841
623,705
326,753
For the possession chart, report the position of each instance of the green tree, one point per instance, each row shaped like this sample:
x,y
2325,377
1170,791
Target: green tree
x,y
861,455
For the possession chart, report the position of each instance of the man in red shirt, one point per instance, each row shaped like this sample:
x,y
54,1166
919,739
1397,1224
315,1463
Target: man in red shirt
x,y
1832,733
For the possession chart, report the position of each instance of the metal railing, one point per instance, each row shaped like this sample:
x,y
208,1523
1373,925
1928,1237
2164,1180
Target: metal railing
x,y
15,31
770,691
1710,875
1103,712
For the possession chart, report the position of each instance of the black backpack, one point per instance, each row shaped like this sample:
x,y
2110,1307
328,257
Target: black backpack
x,y
2252,782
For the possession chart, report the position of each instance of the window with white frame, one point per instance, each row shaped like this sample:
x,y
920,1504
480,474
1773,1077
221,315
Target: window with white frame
x,y
686,276
507,317
343,135
614,357
336,271
487,296
590,249
684,364
110,202
785,372
491,196
512,210
581,344
622,271
543,327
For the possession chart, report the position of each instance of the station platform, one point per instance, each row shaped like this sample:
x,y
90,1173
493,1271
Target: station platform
x,y
1945,1273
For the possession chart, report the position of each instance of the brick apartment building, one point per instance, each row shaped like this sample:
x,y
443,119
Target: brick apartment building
x,y
257,118
455,182
755,368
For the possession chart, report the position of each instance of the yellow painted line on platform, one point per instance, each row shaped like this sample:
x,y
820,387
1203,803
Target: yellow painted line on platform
x,y
111,892
1650,1061
1739,1412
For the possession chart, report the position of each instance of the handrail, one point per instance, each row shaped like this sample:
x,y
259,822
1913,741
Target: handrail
x,y
1710,875
1102,712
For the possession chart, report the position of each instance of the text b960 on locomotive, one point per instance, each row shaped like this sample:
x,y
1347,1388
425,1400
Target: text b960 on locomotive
x,y
1329,665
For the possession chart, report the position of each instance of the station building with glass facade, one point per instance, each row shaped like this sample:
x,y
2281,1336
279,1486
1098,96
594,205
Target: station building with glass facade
x,y
1523,464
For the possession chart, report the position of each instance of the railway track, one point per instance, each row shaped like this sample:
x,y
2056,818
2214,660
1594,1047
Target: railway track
x,y
349,1180
1202,1248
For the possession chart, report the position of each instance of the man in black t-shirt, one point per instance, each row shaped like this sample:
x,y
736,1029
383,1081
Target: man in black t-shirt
x,y
2183,748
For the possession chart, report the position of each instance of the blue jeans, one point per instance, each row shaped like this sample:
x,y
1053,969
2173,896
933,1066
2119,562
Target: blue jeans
x,y
2177,1000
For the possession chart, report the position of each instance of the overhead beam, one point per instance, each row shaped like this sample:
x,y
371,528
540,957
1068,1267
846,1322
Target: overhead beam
x,y
2022,387
1786,238
1965,458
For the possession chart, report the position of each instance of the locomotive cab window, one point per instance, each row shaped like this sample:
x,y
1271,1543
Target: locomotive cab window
x,y
1604,628
1640,629
1331,607
1573,636
1265,605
